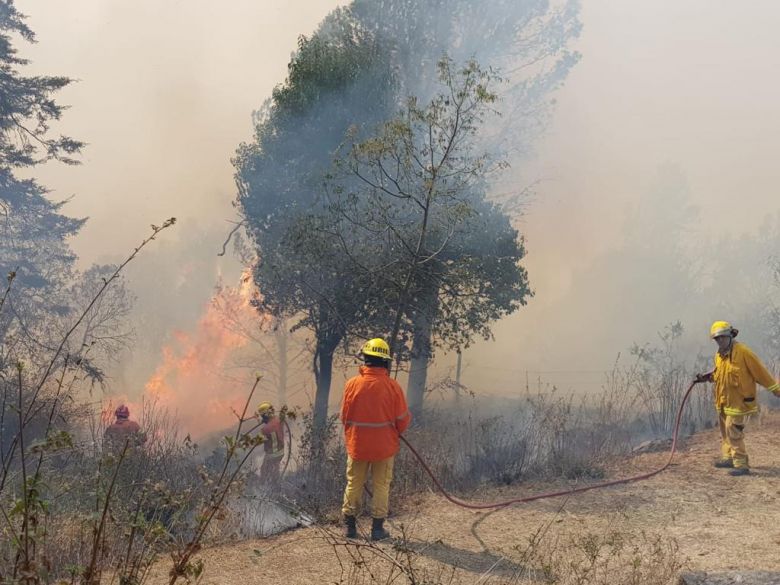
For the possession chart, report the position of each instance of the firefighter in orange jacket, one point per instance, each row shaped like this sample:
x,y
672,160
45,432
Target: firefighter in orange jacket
x,y
123,432
737,370
273,444
374,413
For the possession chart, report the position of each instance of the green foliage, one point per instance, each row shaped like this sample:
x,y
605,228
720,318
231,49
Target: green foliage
x,y
339,57
448,256
27,107
280,174
363,64
339,79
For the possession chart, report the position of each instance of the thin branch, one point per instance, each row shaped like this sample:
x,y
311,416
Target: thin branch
x,y
106,282
237,227
11,277
89,573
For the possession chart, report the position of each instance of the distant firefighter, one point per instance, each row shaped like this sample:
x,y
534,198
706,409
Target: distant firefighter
x,y
123,430
737,370
273,433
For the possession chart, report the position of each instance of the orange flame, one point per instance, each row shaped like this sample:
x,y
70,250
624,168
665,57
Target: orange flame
x,y
191,379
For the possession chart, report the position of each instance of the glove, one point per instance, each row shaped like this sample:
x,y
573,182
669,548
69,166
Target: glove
x,y
703,378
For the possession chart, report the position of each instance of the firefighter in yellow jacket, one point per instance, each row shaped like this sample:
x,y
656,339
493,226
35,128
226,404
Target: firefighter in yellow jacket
x,y
737,370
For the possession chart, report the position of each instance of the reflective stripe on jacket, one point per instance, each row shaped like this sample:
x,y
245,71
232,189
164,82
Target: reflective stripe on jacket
x,y
735,380
274,437
373,413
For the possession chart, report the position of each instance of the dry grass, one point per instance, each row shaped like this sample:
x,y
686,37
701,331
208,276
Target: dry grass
x,y
684,518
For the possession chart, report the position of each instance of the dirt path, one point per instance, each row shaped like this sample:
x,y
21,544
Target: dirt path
x,y
719,522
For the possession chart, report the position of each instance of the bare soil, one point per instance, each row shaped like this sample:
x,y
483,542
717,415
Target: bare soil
x,y
721,523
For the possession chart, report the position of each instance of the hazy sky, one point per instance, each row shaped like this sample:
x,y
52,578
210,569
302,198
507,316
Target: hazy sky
x,y
689,83
164,95
166,90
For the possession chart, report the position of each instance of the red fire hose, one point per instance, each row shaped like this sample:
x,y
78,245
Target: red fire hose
x,y
546,495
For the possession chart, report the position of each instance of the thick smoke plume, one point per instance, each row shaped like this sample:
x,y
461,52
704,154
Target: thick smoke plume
x,y
663,113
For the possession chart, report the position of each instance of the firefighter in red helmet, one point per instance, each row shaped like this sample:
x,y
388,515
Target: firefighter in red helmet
x,y
123,431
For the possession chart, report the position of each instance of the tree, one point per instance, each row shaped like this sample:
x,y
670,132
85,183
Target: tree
x,y
271,348
353,74
47,291
445,261
33,233
34,247
45,294
480,282
104,332
338,79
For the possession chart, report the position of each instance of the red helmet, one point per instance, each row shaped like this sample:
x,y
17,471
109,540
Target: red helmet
x,y
122,411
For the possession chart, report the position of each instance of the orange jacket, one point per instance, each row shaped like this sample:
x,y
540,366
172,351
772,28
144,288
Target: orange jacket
x,y
274,437
118,433
373,413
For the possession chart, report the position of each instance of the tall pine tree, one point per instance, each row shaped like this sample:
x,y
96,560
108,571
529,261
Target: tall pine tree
x,y
34,249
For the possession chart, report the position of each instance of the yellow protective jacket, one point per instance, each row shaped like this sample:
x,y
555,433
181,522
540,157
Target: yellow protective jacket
x,y
735,378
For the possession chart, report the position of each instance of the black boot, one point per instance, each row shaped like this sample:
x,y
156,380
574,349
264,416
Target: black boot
x,y
351,523
736,472
378,531
725,463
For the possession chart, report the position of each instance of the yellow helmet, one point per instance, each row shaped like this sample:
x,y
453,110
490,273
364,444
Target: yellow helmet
x,y
376,347
722,328
265,407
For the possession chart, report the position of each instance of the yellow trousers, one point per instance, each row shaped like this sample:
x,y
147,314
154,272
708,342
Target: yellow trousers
x,y
381,477
732,434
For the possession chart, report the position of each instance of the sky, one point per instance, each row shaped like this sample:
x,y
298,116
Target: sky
x,y
165,91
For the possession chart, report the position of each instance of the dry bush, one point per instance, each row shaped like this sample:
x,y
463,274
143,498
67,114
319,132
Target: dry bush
x,y
369,563
316,483
77,511
118,513
545,434
593,558
661,377
618,554
542,435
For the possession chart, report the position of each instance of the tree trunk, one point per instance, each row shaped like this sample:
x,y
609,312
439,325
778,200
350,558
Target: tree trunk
x,y
421,355
324,373
418,374
457,378
280,335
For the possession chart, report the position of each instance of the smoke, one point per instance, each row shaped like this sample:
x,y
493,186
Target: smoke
x,y
655,182
165,91
666,122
